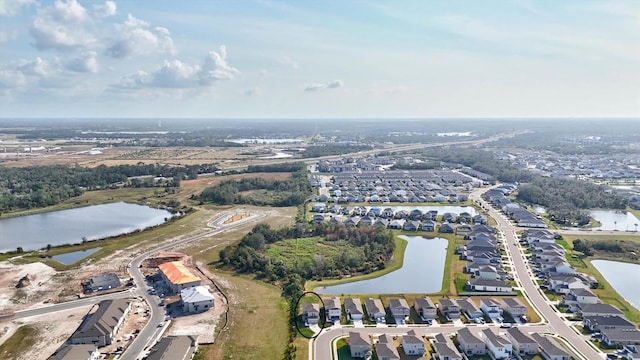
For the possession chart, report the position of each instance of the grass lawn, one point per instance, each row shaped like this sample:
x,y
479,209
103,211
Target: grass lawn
x,y
605,291
257,322
18,343
302,250
344,353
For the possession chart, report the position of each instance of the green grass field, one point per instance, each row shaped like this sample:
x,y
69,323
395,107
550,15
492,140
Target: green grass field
x,y
21,341
302,250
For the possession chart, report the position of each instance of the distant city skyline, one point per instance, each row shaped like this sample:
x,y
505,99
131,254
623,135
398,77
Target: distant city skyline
x,y
333,59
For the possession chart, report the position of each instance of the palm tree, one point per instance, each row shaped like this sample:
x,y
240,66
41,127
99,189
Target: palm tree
x,y
636,225
615,225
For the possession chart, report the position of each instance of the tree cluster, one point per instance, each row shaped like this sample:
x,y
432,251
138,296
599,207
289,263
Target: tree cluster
x,y
481,160
567,199
283,167
40,186
370,249
290,192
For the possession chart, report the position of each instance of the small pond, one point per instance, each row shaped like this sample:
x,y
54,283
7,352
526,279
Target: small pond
x,y
72,257
73,226
616,220
617,274
422,272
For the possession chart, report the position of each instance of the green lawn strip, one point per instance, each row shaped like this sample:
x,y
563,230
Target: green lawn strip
x,y
21,341
344,353
395,264
605,291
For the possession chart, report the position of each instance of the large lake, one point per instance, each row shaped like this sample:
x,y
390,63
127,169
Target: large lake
x,y
71,226
612,220
617,274
421,272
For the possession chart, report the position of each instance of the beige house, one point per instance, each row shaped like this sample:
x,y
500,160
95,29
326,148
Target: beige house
x,y
359,345
101,326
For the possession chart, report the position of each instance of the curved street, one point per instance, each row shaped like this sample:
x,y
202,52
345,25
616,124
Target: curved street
x,y
322,348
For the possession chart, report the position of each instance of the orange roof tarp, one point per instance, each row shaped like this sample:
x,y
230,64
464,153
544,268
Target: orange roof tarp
x,y
177,273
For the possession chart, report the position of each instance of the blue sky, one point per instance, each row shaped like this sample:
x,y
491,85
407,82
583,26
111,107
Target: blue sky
x,y
315,59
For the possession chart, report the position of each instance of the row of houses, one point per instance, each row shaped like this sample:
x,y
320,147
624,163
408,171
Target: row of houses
x,y
398,186
549,261
481,250
518,214
487,342
391,213
98,329
399,309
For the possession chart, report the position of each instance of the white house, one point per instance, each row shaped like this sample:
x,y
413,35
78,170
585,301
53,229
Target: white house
x,y
514,307
477,284
333,309
413,344
311,314
375,310
491,308
196,299
497,346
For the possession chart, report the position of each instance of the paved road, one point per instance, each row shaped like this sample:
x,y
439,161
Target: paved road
x,y
530,288
149,334
321,347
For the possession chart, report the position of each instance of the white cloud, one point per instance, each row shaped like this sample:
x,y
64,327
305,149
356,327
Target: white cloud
x,y
334,84
61,27
67,11
109,8
85,63
12,7
22,75
176,74
135,36
287,61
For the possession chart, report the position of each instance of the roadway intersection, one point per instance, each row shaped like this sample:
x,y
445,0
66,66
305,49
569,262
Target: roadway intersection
x,y
553,323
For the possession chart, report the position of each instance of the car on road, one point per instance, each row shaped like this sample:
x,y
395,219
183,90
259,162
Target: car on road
x,y
506,325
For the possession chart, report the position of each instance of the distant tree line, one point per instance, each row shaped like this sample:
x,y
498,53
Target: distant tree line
x,y
283,167
373,247
426,165
289,192
40,186
566,200
332,149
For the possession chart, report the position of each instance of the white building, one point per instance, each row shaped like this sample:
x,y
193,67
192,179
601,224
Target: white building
x,y
196,299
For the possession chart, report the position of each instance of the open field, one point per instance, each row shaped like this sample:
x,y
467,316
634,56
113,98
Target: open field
x,y
257,314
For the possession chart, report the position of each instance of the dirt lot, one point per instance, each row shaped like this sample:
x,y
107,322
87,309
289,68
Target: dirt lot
x,y
72,154
43,279
52,332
